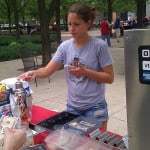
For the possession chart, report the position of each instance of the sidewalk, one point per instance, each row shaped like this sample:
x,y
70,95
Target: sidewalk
x,y
53,95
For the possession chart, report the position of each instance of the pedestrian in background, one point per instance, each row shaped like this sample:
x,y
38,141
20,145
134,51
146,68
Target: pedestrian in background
x,y
117,28
105,31
28,28
134,24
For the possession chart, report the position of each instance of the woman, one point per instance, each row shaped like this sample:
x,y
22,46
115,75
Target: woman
x,y
91,66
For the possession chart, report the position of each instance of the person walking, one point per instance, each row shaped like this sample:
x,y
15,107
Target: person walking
x,y
88,67
117,28
105,31
28,28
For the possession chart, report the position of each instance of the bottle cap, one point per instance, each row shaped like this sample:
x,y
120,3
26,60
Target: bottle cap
x,y
19,85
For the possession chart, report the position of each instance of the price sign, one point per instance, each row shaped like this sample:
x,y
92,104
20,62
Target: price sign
x,y
144,64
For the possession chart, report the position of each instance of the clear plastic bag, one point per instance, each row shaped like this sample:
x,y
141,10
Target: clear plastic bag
x,y
62,140
65,140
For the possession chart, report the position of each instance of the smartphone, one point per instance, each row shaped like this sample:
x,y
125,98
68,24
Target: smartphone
x,y
35,147
69,67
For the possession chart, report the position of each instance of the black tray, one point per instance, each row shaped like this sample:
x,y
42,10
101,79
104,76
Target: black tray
x,y
57,121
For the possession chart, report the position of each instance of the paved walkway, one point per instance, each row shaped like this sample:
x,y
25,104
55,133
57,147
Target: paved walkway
x,y
53,95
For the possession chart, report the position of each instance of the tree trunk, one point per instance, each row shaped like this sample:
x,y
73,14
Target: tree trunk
x,y
58,22
45,15
8,14
16,16
141,12
109,5
45,34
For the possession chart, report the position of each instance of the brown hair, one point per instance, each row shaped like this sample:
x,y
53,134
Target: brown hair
x,y
85,12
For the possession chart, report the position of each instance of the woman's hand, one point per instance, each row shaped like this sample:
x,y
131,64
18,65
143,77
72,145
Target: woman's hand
x,y
106,75
27,76
14,139
79,71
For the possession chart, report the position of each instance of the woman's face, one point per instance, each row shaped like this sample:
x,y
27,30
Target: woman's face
x,y
77,26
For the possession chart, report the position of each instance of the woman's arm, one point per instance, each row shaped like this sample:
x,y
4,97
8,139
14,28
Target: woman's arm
x,y
44,72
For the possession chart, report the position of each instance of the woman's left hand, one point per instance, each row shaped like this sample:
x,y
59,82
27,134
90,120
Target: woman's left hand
x,y
79,71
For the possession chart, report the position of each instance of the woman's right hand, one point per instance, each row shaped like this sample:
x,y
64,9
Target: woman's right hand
x,y
14,139
27,76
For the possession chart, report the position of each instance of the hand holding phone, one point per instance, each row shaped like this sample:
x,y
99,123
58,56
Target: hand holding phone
x,y
69,67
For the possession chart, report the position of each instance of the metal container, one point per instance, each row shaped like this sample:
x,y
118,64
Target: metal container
x,y
24,109
137,75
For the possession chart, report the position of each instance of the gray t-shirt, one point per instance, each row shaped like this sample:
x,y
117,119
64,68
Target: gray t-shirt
x,y
84,92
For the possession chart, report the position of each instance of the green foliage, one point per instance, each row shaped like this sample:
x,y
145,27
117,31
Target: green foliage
x,y
120,6
9,53
124,6
14,44
9,46
31,10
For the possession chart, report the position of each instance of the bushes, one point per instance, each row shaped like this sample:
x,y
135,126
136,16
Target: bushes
x,y
9,46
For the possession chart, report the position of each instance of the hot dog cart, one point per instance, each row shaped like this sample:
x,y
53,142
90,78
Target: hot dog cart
x,y
137,76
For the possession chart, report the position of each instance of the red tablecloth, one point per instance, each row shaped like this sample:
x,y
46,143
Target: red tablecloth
x,y
39,114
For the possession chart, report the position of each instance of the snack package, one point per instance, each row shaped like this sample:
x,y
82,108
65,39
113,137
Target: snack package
x,y
2,86
65,140
9,122
5,108
6,121
62,140
89,144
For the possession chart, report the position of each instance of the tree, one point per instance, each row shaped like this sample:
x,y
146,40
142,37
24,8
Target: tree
x,y
141,12
45,14
9,10
57,14
18,7
6,10
110,10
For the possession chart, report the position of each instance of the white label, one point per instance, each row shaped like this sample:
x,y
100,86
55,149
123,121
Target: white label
x,y
145,53
146,65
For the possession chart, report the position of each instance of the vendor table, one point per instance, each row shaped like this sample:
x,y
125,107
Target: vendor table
x,y
39,114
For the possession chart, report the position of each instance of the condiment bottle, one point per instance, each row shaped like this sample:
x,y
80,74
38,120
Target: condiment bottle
x,y
21,101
